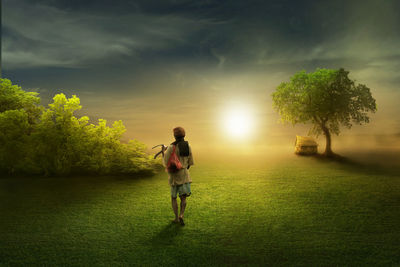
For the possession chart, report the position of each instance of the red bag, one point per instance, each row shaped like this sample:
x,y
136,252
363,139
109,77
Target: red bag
x,y
174,164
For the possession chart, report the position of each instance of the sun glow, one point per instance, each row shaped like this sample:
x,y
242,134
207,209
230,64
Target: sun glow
x,y
238,122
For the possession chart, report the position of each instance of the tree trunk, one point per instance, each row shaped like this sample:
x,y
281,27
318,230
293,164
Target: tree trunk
x,y
328,150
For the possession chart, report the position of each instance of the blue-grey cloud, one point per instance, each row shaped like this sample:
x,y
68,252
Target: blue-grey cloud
x,y
41,35
233,35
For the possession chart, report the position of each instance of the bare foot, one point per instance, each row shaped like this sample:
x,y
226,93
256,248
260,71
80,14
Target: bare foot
x,y
181,220
175,221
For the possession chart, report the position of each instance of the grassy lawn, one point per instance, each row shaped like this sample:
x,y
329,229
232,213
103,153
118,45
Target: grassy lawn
x,y
301,212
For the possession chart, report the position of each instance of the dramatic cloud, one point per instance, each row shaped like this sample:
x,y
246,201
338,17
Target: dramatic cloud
x,y
38,35
232,35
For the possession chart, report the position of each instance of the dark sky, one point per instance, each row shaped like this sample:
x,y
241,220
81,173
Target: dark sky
x,y
130,60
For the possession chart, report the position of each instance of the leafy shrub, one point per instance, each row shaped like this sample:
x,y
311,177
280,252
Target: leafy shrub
x,y
53,141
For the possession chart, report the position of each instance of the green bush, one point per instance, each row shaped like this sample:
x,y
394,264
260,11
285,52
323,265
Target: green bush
x,y
53,141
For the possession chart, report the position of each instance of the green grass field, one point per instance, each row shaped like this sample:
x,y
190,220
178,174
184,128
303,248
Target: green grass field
x,y
301,212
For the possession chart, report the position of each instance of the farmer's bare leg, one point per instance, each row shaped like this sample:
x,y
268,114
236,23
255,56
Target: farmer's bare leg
x,y
175,207
183,205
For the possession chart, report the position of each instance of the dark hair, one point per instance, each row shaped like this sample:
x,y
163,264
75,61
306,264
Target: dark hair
x,y
179,132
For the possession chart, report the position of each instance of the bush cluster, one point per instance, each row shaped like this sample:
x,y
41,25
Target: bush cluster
x,y
53,141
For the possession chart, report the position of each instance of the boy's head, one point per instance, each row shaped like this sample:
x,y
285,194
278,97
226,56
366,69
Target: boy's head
x,y
179,132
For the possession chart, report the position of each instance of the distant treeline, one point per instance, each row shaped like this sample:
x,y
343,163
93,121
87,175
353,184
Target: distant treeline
x,y
52,141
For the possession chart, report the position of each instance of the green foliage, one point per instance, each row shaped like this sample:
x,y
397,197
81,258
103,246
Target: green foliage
x,y
59,143
12,97
14,129
326,98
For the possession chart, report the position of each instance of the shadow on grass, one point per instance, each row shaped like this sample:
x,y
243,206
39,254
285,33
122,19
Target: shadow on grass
x,y
55,194
136,175
167,235
380,164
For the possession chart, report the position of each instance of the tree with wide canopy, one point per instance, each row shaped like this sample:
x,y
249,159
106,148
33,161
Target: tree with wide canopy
x,y
326,99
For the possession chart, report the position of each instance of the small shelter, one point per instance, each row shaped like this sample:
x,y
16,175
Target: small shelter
x,y
305,145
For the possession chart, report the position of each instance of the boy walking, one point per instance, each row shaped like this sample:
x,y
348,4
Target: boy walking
x,y
180,180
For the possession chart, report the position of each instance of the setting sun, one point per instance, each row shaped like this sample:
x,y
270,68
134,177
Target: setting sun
x,y
238,122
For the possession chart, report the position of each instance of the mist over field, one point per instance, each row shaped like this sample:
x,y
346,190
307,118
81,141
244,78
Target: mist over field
x,y
374,151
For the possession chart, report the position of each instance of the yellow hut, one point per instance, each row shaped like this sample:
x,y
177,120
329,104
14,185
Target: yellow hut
x,y
305,145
